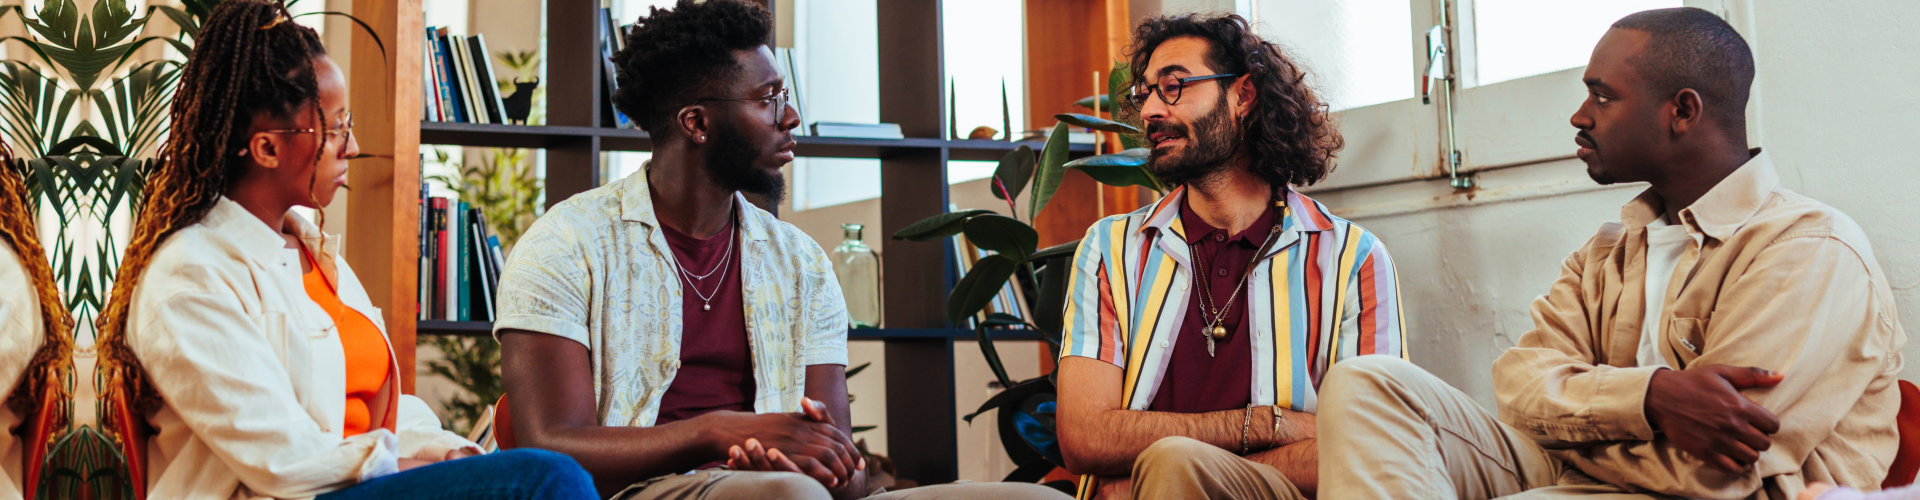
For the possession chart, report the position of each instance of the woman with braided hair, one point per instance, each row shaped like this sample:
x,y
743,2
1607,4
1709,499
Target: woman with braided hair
x,y
36,346
238,333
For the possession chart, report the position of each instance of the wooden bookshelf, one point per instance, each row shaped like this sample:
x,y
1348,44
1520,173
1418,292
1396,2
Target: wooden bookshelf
x,y
384,215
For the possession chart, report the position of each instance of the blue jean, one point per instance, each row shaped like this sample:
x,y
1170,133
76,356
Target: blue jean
x,y
523,474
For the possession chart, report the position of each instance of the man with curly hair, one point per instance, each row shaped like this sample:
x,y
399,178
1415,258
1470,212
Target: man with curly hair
x,y
661,327
1199,327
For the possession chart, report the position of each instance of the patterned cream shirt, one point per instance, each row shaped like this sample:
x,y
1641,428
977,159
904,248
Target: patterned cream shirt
x,y
595,269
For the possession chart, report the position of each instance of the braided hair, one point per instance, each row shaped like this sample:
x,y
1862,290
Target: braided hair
x,y
44,374
250,59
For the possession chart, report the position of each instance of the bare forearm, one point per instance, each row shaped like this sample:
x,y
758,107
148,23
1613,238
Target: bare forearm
x,y
1109,442
1299,461
620,456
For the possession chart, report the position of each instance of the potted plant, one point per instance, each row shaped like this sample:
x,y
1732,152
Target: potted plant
x,y
1026,407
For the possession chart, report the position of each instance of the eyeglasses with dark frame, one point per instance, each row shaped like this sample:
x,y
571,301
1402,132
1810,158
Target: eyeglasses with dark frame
x,y
1169,88
778,99
344,131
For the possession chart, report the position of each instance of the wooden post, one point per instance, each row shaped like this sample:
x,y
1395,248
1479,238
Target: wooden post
x,y
920,404
383,204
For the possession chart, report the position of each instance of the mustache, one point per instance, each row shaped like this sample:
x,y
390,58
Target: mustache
x,y
1583,135
1158,127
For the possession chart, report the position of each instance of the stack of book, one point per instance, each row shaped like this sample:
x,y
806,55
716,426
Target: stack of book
x,y
459,80
460,260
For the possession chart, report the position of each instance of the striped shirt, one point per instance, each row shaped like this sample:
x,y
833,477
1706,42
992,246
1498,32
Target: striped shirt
x,y
1324,292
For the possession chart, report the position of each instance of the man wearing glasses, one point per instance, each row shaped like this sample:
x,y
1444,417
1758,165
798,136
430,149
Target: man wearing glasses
x,y
1199,327
673,338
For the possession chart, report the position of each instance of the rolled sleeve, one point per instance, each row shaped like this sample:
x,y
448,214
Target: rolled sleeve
x,y
1548,384
544,288
421,434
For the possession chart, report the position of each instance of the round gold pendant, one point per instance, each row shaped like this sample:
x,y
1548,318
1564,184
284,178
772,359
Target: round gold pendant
x,y
1219,333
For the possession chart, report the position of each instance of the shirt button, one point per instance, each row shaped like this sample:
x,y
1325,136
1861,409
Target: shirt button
x,y
1220,272
1163,344
1219,237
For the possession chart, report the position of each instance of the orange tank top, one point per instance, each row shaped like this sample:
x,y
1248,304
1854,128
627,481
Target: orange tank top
x,y
368,360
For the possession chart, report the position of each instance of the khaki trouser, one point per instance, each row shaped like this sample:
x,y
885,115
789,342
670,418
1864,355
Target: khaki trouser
x,y
1389,429
1185,468
718,484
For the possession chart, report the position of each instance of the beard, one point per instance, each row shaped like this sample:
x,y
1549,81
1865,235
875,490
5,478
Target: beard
x,y
1209,145
731,165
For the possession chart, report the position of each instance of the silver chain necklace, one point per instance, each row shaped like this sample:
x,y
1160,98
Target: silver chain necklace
x,y
706,299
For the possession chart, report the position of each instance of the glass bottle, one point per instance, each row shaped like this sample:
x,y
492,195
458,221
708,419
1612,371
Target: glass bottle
x,y
858,268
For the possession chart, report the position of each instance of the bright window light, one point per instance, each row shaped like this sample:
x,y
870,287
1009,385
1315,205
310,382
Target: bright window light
x,y
1356,52
1521,38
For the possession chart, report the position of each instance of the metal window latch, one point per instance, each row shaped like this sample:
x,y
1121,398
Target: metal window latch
x,y
1439,77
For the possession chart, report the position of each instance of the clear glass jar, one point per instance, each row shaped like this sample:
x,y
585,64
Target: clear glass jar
x,y
858,268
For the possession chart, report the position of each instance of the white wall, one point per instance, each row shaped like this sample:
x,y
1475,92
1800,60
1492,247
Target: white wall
x,y
1834,108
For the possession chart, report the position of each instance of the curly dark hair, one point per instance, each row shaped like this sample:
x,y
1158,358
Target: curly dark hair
x,y
1289,137
672,54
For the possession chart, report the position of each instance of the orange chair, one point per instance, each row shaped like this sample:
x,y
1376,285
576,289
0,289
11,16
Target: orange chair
x,y
1906,462
502,426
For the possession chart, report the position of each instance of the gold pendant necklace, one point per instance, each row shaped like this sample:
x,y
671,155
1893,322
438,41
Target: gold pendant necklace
x,y
1215,332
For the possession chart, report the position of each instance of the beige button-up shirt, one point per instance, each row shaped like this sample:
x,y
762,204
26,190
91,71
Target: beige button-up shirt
x,y
1777,281
20,335
252,370
596,269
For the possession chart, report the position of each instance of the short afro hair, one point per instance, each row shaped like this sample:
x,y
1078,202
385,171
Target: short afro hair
x,y
671,54
1690,48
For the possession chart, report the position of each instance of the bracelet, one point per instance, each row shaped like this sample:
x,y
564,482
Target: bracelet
x,y
1246,426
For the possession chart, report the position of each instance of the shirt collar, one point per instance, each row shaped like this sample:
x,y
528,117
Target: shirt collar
x,y
1298,213
1197,229
233,221
636,205
1723,210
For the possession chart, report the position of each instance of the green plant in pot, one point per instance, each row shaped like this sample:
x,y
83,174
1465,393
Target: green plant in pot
x,y
1026,407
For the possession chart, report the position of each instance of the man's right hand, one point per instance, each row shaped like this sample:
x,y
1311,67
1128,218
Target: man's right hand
x,y
818,448
1701,411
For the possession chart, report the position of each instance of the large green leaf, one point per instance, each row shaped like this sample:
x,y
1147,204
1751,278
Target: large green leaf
x,y
978,287
1096,123
938,226
1046,178
1126,168
1002,234
1049,309
983,333
1015,169
1106,102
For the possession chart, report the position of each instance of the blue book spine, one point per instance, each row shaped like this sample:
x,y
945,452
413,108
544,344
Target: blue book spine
x,y
444,60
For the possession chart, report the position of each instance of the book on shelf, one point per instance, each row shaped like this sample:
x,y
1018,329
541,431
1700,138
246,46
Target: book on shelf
x,y
460,262
858,130
612,40
460,79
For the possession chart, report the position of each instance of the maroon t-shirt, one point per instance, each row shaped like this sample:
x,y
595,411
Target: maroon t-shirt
x,y
1196,382
716,366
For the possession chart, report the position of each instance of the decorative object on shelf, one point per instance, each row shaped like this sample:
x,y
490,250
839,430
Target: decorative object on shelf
x,y
520,103
522,89
858,268
1026,407
983,132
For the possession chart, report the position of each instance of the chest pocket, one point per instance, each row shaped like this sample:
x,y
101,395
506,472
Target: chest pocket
x,y
303,338
1686,337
